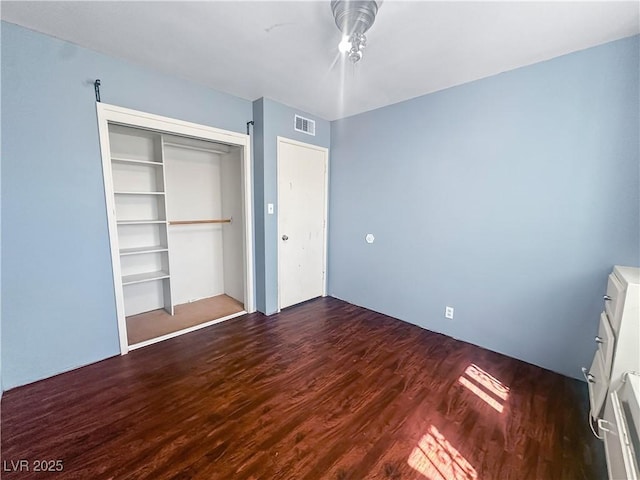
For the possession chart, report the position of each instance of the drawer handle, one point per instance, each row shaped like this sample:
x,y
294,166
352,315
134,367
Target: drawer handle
x,y
607,298
599,339
602,422
588,376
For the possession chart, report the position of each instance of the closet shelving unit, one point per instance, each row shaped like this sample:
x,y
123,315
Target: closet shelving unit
x,y
178,198
140,206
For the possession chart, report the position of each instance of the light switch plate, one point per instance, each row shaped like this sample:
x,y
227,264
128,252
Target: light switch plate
x,y
270,208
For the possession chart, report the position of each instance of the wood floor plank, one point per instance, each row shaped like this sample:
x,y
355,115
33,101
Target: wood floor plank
x,y
323,390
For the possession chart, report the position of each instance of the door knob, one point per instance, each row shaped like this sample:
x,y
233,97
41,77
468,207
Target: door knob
x,y
285,238
606,298
599,339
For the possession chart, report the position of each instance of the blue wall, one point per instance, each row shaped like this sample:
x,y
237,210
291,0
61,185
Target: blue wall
x,y
58,306
273,119
509,198
258,203
1,389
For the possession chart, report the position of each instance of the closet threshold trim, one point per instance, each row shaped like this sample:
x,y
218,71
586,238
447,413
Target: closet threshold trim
x,y
144,277
133,160
139,222
138,250
138,193
186,330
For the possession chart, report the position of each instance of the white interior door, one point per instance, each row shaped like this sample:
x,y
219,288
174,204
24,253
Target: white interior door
x,y
302,206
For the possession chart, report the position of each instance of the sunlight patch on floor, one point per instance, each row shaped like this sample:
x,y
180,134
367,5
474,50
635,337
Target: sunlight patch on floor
x,y
436,459
485,386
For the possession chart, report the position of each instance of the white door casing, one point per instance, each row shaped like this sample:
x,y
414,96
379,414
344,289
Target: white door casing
x,y
302,219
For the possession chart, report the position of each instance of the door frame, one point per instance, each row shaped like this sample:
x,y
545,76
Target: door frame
x,y
124,116
325,151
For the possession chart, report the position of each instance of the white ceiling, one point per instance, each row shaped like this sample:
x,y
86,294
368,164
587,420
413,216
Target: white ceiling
x,y
287,51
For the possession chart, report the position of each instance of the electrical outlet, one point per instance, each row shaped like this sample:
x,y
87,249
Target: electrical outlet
x,y
448,313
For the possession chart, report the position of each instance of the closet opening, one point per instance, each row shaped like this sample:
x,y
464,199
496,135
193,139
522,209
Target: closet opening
x,y
178,208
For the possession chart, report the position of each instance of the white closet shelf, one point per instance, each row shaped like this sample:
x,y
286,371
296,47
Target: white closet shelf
x,y
138,193
139,250
139,222
133,160
144,277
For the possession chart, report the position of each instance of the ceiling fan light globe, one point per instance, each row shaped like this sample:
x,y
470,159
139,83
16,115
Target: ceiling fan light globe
x,y
355,55
345,45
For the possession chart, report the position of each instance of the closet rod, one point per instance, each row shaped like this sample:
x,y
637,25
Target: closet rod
x,y
193,222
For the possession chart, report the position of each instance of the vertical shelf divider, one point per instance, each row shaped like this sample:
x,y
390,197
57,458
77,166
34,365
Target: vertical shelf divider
x,y
167,291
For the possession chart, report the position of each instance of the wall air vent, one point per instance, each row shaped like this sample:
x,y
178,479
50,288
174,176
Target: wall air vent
x,y
304,125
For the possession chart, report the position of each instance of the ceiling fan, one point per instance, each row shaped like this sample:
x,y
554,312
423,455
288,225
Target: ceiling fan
x,y
354,18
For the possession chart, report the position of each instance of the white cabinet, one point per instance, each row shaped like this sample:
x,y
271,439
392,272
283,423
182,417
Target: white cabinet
x,y
612,378
623,311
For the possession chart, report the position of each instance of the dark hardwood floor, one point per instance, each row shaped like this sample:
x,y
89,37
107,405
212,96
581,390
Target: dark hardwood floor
x,y
324,390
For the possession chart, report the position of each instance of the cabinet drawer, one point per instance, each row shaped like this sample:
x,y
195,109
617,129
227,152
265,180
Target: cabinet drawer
x,y
613,301
621,461
606,342
598,382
